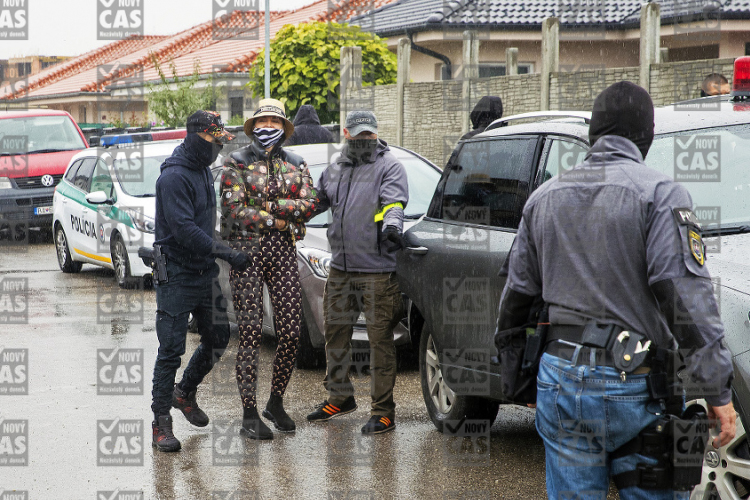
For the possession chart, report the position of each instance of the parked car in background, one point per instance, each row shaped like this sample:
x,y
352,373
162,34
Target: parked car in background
x,y
104,208
36,146
450,271
314,252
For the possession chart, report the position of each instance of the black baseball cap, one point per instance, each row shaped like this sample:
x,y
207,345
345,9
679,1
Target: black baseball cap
x,y
361,121
209,122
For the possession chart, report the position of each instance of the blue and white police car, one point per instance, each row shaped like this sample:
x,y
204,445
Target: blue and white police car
x,y
104,208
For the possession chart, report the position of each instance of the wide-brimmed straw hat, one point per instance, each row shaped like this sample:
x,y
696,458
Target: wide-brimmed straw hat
x,y
269,107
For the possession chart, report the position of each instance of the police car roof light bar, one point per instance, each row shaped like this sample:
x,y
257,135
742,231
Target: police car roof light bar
x,y
583,115
741,77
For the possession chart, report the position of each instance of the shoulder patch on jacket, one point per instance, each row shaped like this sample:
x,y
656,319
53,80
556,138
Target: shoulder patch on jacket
x,y
686,217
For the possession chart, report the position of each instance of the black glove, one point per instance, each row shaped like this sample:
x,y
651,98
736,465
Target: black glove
x,y
393,239
238,260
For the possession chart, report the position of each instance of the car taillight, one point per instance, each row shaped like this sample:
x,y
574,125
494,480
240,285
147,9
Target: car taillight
x,y
741,79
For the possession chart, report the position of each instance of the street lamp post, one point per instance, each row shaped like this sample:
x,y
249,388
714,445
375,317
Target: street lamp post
x,y
268,51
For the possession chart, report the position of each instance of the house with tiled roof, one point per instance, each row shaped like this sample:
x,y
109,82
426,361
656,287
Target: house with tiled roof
x,y
594,34
110,83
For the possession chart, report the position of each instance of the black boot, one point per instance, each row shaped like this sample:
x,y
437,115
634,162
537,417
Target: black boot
x,y
162,437
275,413
187,404
253,427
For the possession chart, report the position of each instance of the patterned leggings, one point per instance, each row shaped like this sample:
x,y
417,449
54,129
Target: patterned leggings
x,y
273,260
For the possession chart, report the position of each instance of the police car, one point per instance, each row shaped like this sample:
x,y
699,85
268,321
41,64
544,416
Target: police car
x,y
104,208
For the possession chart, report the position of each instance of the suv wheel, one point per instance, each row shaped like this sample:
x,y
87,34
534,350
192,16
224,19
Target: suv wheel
x,y
441,402
726,471
121,263
64,260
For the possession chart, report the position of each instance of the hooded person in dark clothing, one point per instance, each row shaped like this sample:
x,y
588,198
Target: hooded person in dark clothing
x,y
488,109
185,214
307,128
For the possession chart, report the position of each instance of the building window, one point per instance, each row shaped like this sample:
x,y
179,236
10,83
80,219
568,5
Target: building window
x,y
23,69
235,106
487,70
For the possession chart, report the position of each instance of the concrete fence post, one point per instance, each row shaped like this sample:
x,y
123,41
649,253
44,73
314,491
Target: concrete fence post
x,y
663,55
402,78
511,61
650,41
470,71
550,57
350,59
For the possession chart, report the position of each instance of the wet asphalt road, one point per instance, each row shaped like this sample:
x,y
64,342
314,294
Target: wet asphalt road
x,y
71,433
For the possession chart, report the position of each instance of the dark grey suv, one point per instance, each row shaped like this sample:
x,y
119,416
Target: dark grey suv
x,y
450,273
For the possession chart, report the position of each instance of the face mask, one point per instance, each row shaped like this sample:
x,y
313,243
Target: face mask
x,y
360,150
205,152
267,136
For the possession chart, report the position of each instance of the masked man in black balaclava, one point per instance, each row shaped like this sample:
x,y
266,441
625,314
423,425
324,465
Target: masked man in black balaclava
x,y
185,222
614,250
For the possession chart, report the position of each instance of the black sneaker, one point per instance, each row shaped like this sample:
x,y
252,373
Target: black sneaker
x,y
326,411
162,437
253,427
378,424
275,413
186,403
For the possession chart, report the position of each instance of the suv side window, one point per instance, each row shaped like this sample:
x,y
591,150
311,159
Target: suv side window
x,y
82,179
71,175
102,181
562,155
488,182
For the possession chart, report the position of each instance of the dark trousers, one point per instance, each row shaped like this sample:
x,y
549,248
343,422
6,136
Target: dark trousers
x,y
273,260
187,291
378,296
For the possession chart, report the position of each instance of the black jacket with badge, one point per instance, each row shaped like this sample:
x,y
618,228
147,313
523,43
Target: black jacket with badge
x,y
245,191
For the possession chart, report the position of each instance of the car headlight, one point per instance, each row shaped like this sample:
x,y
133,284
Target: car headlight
x,y
141,221
5,183
318,260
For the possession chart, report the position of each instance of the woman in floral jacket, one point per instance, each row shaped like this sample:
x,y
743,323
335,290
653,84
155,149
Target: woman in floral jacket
x,y
267,196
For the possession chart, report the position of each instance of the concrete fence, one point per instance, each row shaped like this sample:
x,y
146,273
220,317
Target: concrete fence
x,y
430,117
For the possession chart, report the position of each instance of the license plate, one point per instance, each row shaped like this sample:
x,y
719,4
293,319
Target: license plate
x,y
42,210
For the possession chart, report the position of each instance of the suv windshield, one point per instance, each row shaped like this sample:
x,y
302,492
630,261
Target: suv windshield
x,y
138,178
713,165
422,180
40,134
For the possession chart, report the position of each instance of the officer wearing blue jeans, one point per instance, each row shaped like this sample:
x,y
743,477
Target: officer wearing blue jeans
x,y
185,218
613,243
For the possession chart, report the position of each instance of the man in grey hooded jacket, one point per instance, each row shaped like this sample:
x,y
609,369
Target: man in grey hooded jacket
x,y
366,189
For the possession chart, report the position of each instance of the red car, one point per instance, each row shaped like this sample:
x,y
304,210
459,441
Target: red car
x,y
36,146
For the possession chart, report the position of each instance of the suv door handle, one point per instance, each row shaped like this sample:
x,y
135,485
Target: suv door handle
x,y
416,250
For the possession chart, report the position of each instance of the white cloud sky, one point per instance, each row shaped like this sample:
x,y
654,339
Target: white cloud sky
x,y
69,27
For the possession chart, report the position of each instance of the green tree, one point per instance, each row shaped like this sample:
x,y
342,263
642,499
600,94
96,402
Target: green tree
x,y
305,62
174,99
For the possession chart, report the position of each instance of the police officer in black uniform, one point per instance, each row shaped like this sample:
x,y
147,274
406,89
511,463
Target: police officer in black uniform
x,y
615,252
